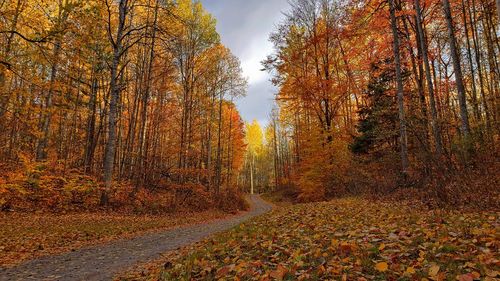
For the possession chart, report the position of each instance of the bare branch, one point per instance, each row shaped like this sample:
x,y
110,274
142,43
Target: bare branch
x,y
41,40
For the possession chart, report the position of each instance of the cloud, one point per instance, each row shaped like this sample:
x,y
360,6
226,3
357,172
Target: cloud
x,y
251,62
258,103
245,26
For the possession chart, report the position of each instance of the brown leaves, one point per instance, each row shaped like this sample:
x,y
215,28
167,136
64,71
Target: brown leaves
x,y
224,270
279,273
347,239
26,236
466,277
434,270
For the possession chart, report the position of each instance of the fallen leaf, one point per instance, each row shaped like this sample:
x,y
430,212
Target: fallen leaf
x,y
410,270
381,266
434,270
223,271
279,273
491,273
465,277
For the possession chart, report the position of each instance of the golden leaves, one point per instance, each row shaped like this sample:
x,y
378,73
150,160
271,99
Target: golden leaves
x,y
434,270
381,266
346,239
410,270
254,137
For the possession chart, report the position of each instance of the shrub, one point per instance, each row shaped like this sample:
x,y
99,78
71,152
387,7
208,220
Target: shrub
x,y
231,201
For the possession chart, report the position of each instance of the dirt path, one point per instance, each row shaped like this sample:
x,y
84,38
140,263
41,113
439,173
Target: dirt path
x,y
105,261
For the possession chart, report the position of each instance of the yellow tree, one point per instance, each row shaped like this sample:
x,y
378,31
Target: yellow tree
x,y
255,146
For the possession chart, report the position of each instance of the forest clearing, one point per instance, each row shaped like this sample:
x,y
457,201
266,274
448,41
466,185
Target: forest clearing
x,y
250,140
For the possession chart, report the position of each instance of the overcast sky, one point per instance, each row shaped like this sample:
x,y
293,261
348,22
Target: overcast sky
x,y
244,26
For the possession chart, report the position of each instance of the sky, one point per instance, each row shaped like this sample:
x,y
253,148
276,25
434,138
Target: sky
x,y
244,27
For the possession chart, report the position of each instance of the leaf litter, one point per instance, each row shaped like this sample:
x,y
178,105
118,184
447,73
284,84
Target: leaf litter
x,y
348,239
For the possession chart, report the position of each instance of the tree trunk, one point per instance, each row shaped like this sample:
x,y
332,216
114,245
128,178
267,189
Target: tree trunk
x,y
252,164
419,78
229,149
109,154
478,58
400,89
41,150
142,138
275,156
218,168
209,143
475,104
498,12
4,93
91,125
458,71
430,87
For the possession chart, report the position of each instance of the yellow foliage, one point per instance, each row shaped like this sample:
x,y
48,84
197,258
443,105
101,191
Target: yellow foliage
x,y
381,266
254,138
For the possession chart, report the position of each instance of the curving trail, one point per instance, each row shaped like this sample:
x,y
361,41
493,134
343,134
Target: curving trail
x,y
105,261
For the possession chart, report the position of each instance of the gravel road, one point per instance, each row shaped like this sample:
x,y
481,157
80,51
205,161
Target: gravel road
x,y
102,262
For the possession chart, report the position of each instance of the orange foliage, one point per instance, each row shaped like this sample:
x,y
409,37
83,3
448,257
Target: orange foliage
x,y
334,65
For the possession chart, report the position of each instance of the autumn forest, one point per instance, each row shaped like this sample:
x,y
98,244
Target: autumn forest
x,y
126,120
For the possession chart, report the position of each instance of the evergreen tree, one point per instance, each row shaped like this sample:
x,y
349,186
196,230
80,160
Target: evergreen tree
x,y
378,120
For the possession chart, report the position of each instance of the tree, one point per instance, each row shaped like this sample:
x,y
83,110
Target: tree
x,y
255,145
194,34
118,43
458,70
330,63
378,124
64,9
430,86
119,87
400,88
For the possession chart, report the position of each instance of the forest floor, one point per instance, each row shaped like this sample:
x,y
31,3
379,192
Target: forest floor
x,y
345,239
102,262
25,236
